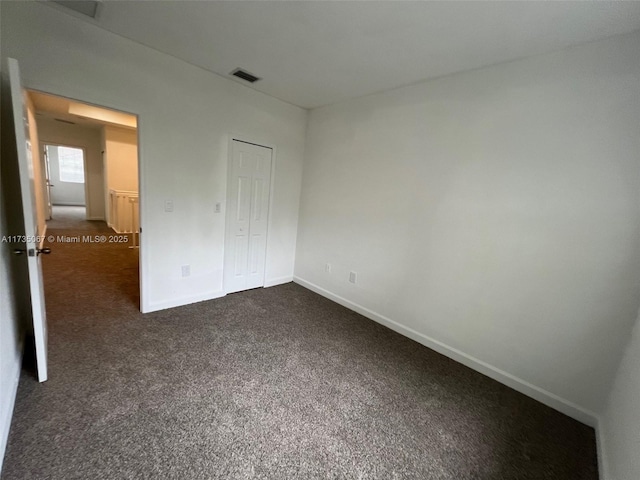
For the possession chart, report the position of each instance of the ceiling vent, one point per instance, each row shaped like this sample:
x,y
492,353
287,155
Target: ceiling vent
x,y
90,8
244,75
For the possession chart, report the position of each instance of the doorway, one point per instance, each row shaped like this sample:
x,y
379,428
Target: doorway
x,y
89,159
248,193
65,178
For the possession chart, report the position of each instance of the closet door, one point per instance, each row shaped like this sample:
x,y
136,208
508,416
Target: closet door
x,y
247,214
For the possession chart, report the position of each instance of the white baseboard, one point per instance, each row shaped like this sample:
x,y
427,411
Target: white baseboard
x,y
179,302
278,281
522,386
8,403
203,298
95,218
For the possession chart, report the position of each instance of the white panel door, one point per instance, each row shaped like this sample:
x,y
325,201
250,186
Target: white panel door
x,y
32,247
247,214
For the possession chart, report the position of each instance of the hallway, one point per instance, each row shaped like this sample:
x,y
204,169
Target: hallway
x,y
94,273
65,217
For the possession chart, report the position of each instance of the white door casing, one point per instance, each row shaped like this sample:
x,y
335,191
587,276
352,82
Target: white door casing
x,y
248,193
48,184
32,235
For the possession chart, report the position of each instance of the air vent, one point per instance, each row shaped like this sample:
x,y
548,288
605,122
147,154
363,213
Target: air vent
x,y
64,121
244,75
90,8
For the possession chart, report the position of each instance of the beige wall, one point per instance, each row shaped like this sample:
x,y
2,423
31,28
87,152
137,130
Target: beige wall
x,y
88,138
39,178
120,147
121,158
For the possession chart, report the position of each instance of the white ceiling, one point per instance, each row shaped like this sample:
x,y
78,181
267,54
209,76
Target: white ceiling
x,y
314,53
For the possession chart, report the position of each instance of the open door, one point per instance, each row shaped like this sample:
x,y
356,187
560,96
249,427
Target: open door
x,y
34,240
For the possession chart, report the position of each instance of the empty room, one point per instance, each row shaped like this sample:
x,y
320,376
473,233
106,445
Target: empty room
x,y
373,240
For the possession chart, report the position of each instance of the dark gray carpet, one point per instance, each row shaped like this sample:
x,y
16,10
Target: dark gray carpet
x,y
64,217
274,383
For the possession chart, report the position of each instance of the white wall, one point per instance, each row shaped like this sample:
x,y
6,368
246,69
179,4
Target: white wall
x,y
620,422
10,274
10,337
185,116
87,138
493,214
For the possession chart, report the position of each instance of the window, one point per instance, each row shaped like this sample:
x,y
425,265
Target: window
x,y
71,164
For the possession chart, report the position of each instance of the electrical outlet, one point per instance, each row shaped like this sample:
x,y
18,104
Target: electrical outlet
x,y
218,207
327,268
186,270
168,205
352,277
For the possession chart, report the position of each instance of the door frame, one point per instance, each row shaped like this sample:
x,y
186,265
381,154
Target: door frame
x,y
47,180
143,263
253,140
84,173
